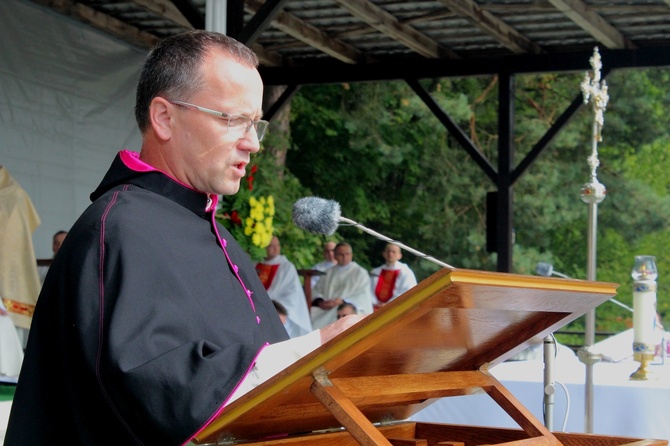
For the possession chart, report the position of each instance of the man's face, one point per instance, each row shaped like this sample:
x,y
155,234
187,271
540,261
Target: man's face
x,y
392,254
346,311
329,252
343,255
57,241
273,249
204,154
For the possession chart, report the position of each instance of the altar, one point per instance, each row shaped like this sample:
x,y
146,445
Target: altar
x,y
621,406
11,350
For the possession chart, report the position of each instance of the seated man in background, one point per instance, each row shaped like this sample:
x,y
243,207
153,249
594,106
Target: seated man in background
x,y
346,309
327,262
280,279
345,282
56,242
391,279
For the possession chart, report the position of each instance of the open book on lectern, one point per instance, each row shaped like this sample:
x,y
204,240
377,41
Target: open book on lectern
x,y
415,349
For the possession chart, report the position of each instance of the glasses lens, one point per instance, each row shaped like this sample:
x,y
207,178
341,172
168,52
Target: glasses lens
x,y
261,127
239,125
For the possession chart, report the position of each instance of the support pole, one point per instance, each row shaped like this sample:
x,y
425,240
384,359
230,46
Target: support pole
x,y
505,208
589,335
216,15
593,192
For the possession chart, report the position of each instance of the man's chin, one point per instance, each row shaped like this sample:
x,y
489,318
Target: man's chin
x,y
229,188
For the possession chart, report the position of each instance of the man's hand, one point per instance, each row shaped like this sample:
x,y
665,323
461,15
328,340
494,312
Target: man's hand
x,y
330,331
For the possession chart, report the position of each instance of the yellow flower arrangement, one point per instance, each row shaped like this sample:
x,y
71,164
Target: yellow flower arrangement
x,y
248,216
258,225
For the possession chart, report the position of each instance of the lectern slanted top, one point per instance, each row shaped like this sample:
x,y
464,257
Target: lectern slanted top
x,y
439,339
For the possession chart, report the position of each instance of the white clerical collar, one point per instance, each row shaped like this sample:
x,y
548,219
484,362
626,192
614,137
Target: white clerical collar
x,y
345,267
273,261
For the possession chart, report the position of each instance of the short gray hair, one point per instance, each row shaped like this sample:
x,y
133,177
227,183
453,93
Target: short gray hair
x,y
173,67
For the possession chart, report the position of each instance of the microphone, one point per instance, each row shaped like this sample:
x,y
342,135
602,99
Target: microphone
x,y
322,216
317,215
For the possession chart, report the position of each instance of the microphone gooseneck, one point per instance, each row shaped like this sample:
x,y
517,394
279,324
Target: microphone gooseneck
x,y
322,216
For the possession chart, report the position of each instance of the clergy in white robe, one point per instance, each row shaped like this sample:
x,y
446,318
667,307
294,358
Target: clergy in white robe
x,y
281,280
345,282
391,279
19,282
327,262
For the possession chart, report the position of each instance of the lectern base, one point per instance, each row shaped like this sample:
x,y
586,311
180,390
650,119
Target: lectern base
x,y
430,434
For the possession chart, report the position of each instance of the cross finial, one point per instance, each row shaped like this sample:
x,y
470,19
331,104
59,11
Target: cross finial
x,y
596,89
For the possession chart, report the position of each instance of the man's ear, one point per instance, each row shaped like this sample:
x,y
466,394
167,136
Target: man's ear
x,y
161,118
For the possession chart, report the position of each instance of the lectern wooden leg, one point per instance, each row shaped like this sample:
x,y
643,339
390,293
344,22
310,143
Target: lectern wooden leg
x,y
353,420
541,435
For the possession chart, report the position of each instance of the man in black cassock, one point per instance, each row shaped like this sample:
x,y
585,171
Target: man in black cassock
x,y
152,319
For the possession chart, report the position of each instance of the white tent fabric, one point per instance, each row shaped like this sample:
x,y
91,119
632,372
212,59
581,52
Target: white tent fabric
x,y
67,95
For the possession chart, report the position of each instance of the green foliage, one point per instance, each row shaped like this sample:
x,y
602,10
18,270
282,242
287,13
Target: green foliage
x,y
302,248
391,159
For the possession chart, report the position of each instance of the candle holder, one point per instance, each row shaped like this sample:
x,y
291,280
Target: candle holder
x,y
644,313
641,373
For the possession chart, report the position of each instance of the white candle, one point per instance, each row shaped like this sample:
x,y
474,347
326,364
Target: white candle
x,y
644,303
644,313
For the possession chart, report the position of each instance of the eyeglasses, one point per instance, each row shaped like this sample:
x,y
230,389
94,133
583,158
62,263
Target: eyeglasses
x,y
238,125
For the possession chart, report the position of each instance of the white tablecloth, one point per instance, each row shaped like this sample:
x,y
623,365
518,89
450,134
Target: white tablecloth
x,y
5,407
639,409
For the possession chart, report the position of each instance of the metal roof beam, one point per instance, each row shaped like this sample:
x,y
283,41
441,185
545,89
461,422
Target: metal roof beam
x,y
312,36
260,21
191,12
388,24
103,22
165,9
593,23
492,25
431,68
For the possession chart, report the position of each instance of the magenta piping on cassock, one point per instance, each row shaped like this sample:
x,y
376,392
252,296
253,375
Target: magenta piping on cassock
x,y
101,296
225,403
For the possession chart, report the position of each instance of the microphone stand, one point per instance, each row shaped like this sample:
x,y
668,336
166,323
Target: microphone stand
x,y
396,242
549,386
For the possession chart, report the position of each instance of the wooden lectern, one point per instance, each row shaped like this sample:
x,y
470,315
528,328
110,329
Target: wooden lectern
x,y
437,340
